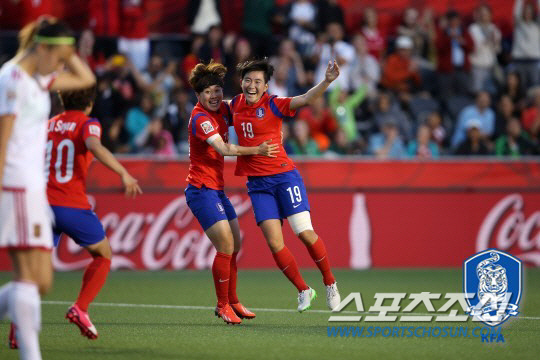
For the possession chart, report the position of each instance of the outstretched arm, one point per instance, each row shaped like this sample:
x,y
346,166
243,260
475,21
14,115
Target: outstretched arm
x,y
224,149
332,72
104,156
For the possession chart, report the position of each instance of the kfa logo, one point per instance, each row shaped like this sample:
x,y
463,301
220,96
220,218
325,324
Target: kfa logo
x,y
220,208
495,279
259,112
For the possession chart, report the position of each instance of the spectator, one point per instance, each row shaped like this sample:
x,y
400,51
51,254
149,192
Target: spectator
x,y
257,25
138,118
154,139
515,142
134,41
242,52
342,146
203,16
487,44
400,72
474,143
437,130
322,124
388,143
329,11
530,117
423,147
505,112
374,39
300,143
212,48
387,110
177,117
420,31
85,49
296,74
278,83
453,45
302,18
335,48
344,107
365,69
479,111
526,44
513,87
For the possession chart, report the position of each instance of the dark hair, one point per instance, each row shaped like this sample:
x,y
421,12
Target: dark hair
x,y
256,65
44,26
206,75
78,99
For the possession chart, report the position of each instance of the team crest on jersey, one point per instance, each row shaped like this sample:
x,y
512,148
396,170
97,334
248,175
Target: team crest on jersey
x,y
259,112
495,279
207,127
220,208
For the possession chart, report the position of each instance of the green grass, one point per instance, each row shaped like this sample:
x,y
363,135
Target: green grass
x,y
168,333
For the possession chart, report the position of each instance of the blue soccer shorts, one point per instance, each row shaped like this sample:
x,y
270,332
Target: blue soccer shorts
x,y
83,226
209,206
277,196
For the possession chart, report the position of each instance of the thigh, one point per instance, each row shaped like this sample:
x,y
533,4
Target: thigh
x,y
83,226
292,197
227,206
206,206
265,205
32,265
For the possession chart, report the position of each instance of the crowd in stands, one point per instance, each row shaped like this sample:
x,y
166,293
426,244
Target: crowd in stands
x,y
437,85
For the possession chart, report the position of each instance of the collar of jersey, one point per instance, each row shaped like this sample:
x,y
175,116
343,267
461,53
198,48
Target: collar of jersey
x,y
258,103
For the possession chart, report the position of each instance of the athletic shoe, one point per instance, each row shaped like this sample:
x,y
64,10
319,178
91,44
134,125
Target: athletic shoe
x,y
80,318
12,339
227,314
242,312
304,299
333,299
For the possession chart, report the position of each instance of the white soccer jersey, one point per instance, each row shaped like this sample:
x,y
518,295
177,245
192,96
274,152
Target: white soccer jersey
x,y
27,98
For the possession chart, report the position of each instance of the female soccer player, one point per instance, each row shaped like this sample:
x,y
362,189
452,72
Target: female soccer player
x,y
25,223
73,140
274,185
208,135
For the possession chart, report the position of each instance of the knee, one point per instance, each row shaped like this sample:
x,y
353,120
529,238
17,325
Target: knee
x,y
275,244
308,237
226,245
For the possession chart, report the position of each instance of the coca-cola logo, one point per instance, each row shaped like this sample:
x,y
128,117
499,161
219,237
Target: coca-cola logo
x,y
170,239
507,228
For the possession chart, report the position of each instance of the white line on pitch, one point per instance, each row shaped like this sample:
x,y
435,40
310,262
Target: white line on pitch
x,y
194,307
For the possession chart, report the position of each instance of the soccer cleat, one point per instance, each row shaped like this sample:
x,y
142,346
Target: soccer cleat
x,y
304,299
227,314
80,318
12,338
333,299
242,312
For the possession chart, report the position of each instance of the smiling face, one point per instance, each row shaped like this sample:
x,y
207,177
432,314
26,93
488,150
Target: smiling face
x,y
254,86
211,97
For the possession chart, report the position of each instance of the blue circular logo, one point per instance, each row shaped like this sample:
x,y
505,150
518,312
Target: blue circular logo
x,y
259,112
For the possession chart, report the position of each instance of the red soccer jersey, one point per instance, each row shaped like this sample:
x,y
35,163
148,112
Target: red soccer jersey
x,y
68,158
255,124
206,164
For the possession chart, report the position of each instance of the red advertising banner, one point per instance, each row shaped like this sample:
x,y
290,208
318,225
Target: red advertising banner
x,y
390,225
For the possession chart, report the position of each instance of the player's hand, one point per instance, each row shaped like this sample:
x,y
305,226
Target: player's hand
x,y
267,149
332,71
131,185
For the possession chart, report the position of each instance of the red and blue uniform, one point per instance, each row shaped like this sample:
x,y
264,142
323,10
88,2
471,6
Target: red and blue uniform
x,y
274,185
204,194
67,165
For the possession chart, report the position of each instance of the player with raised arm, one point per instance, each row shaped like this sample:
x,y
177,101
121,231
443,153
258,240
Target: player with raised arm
x,y
74,140
25,222
208,135
274,185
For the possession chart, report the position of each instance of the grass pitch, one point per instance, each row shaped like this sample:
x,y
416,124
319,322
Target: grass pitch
x,y
133,324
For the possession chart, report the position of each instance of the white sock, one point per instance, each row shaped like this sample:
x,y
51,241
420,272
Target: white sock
x,y
4,298
25,312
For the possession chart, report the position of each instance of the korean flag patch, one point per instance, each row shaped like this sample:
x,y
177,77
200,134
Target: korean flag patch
x,y
207,127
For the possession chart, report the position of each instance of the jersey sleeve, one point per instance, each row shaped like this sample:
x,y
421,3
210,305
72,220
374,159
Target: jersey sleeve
x,y
92,127
8,95
203,126
280,106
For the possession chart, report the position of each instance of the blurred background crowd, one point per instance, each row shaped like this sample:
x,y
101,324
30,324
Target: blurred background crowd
x,y
423,86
